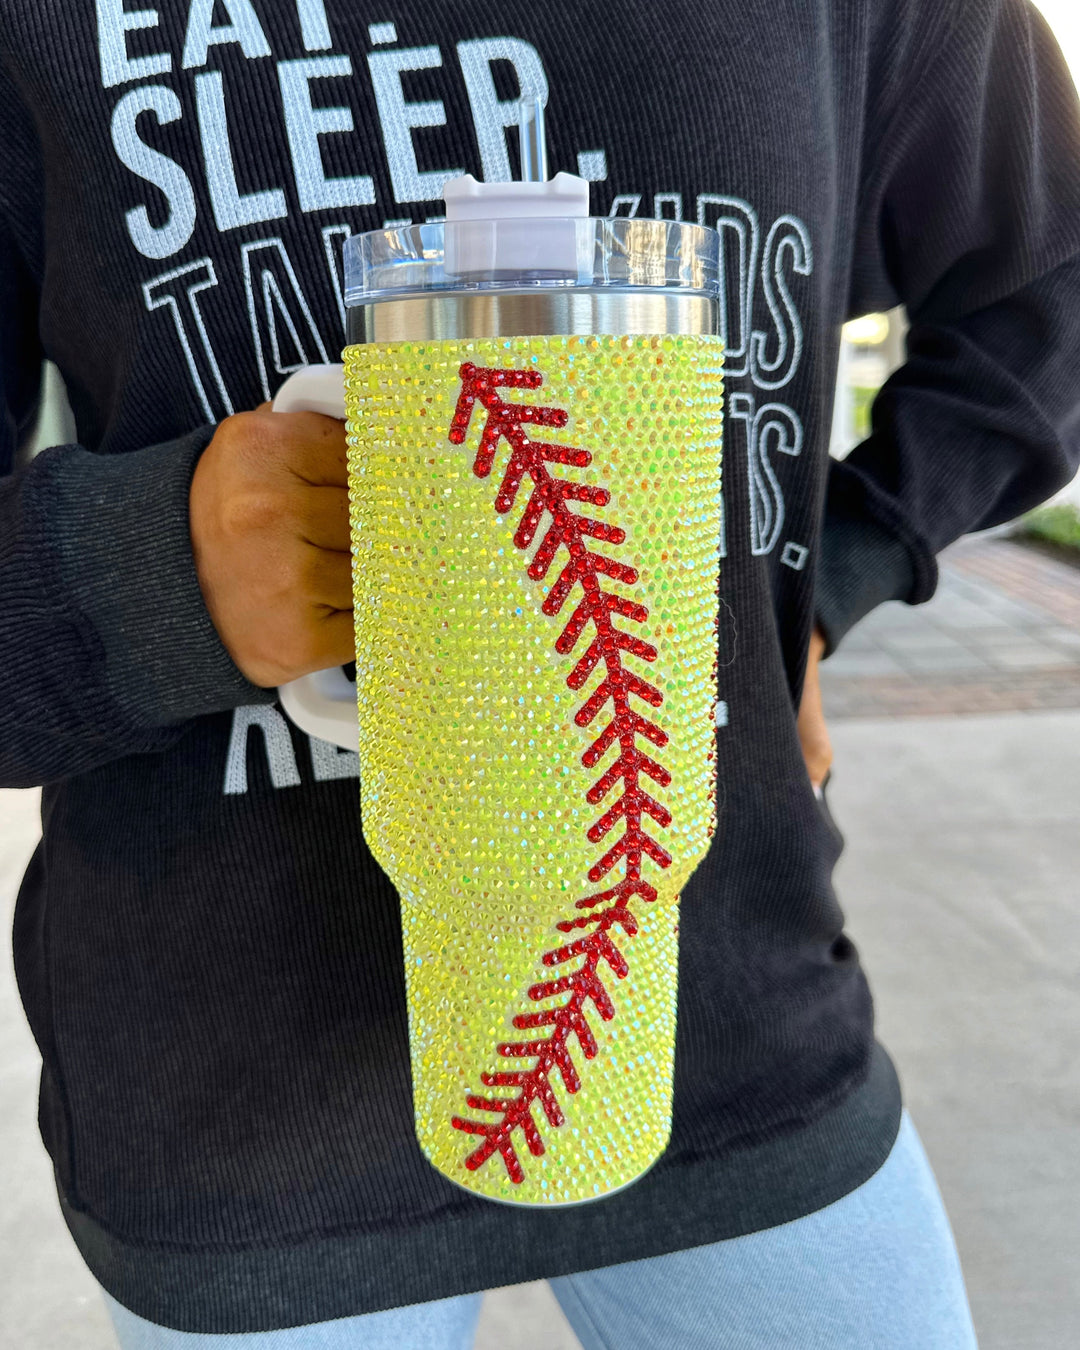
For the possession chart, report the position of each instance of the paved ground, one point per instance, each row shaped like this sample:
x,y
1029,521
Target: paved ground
x,y
1002,634
960,884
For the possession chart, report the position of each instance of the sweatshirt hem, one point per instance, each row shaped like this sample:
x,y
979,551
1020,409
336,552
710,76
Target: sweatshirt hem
x,y
680,1204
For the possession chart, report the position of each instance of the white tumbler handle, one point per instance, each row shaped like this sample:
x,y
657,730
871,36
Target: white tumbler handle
x,y
322,704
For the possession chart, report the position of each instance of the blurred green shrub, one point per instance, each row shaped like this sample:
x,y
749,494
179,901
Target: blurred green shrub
x,y
1058,524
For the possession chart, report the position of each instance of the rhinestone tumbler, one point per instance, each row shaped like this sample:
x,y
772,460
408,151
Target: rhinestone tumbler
x,y
534,427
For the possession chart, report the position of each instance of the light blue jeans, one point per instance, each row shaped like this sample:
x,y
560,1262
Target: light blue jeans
x,y
877,1270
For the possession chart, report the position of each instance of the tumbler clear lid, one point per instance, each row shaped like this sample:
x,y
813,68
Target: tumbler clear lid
x,y
498,255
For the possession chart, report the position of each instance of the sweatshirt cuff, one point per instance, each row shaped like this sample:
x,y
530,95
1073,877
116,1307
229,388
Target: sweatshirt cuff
x,y
120,536
861,565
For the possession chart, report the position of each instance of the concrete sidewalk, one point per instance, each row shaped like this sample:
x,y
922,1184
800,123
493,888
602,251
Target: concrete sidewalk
x,y
960,884
1002,634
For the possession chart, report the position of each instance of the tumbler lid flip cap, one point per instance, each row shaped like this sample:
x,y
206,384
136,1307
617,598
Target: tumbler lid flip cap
x,y
565,195
527,226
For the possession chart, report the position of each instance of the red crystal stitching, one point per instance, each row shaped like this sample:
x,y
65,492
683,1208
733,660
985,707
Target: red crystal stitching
x,y
584,567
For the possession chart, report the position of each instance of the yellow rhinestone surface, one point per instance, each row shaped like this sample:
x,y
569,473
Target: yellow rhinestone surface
x,y
474,791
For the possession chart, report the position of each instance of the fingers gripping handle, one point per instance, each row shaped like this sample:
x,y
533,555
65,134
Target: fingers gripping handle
x,y
322,704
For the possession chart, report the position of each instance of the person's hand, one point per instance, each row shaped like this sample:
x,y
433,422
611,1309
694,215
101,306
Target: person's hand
x,y
269,515
813,732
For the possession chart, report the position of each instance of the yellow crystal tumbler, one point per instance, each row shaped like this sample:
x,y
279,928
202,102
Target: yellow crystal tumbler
x,y
534,471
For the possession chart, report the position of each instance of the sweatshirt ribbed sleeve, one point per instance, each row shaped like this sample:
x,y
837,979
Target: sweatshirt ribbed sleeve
x,y
105,643
971,218
106,646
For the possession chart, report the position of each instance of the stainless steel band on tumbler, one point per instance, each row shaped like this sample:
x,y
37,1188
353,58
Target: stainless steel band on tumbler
x,y
437,316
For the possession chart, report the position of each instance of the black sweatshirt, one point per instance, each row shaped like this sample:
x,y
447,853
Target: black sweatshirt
x,y
209,957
